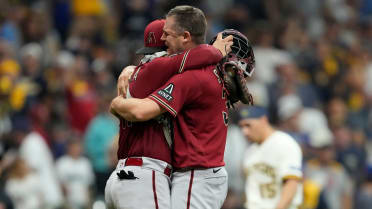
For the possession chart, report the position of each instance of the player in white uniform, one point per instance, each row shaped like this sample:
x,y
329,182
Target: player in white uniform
x,y
272,163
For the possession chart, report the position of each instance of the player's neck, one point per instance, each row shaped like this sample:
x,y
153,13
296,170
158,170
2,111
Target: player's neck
x,y
190,45
267,132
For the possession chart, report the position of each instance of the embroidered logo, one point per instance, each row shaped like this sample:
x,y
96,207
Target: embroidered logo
x,y
166,93
216,170
169,88
151,38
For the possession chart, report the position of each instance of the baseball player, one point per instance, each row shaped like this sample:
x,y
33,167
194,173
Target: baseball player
x,y
272,163
141,179
197,100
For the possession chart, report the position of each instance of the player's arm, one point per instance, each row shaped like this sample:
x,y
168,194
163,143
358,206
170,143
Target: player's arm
x,y
290,171
180,90
123,80
288,192
135,110
165,67
197,57
171,97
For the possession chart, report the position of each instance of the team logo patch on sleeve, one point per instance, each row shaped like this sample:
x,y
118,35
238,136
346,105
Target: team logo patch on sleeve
x,y
166,93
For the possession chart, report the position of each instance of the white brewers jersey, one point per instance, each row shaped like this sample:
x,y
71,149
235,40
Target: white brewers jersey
x,y
266,165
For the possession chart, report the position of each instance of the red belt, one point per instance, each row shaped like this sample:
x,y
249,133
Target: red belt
x,y
139,162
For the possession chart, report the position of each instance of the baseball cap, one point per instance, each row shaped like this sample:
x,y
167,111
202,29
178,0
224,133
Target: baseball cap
x,y
151,38
251,112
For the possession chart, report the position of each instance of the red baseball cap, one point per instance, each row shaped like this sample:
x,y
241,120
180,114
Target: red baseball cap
x,y
152,35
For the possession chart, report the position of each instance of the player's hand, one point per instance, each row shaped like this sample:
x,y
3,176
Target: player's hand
x,y
223,44
123,80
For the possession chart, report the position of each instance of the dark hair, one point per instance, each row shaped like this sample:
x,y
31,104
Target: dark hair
x,y
190,19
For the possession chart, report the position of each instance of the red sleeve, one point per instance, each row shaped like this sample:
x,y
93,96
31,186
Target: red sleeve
x,y
179,91
150,76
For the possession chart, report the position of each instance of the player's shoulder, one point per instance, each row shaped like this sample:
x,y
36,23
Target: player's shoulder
x,y
251,148
284,139
188,79
199,75
207,47
185,75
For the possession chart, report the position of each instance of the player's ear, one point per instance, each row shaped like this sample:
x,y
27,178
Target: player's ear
x,y
187,36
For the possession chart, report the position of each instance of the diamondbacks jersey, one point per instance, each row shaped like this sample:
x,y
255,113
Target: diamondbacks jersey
x,y
147,138
196,98
150,76
267,165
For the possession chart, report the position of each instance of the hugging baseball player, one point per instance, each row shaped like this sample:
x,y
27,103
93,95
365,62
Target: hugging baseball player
x,y
197,102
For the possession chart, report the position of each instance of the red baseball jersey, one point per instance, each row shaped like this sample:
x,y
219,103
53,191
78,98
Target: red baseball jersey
x,y
196,98
147,138
152,75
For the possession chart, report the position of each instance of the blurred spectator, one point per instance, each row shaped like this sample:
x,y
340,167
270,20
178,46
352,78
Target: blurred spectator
x,y
350,151
9,30
327,175
364,198
60,135
294,117
102,76
236,16
88,7
33,76
36,29
40,117
289,82
337,113
368,85
35,152
267,57
76,175
5,201
81,96
62,17
24,187
58,75
259,91
98,140
134,16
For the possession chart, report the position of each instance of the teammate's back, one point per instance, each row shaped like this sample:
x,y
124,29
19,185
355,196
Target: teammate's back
x,y
201,128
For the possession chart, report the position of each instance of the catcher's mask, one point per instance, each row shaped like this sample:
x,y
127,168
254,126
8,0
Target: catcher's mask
x,y
241,55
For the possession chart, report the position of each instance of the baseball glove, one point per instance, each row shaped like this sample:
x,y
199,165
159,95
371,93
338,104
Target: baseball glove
x,y
236,85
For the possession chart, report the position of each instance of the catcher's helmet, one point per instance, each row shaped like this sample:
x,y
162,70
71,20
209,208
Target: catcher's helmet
x,y
241,55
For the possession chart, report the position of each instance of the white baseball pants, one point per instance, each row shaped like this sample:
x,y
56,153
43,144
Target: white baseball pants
x,y
199,189
144,183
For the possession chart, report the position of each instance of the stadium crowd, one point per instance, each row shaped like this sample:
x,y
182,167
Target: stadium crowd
x,y
59,61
